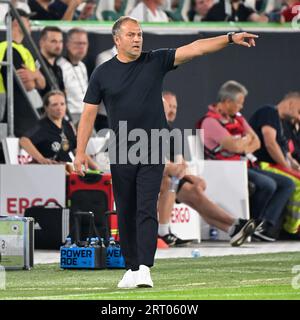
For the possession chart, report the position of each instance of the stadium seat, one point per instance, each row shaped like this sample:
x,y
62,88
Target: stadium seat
x,y
13,153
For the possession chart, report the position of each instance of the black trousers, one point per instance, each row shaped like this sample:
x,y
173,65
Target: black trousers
x,y
136,189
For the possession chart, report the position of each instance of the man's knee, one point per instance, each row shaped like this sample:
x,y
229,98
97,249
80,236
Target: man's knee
x,y
267,185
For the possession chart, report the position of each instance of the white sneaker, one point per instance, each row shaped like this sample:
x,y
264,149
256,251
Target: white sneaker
x,y
144,277
129,280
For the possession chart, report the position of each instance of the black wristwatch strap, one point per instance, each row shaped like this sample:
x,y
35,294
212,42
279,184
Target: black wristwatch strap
x,y
229,35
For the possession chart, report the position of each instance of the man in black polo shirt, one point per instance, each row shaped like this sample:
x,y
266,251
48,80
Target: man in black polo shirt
x,y
130,85
51,47
234,10
274,154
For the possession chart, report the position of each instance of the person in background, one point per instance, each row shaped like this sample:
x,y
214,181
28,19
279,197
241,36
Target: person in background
x,y
53,139
18,4
51,47
191,191
235,10
275,156
30,77
54,10
200,9
291,11
228,136
149,11
75,76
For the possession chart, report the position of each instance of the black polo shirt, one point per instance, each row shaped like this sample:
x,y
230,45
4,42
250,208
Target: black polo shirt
x,y
217,13
268,116
132,91
57,74
51,14
51,141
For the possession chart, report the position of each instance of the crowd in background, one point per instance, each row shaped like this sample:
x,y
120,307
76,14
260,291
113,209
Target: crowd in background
x,y
160,10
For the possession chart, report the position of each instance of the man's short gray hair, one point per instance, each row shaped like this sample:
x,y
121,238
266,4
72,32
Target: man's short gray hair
x,y
230,89
117,25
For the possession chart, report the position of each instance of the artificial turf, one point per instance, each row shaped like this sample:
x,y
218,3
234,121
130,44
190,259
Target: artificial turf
x,y
260,276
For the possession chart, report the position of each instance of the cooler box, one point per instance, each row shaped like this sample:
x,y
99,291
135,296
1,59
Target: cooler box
x,y
16,242
51,226
94,193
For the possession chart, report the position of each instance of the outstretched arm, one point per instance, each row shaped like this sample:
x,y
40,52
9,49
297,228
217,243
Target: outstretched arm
x,y
204,46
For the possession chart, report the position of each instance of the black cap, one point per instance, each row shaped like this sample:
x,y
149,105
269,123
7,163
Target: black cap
x,y
22,13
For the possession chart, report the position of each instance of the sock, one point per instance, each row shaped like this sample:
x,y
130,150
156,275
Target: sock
x,y
232,227
163,229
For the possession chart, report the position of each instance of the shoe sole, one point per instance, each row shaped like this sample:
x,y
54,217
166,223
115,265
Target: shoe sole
x,y
183,244
243,234
263,237
144,285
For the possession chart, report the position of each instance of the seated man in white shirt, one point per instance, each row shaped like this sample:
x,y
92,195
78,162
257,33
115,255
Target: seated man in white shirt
x,y
149,11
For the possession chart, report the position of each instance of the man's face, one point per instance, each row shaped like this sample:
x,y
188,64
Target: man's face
x,y
129,40
159,2
235,106
170,107
293,112
56,108
77,45
52,44
26,23
203,6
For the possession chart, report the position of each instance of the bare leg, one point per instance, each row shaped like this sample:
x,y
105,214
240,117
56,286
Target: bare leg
x,y
166,201
192,194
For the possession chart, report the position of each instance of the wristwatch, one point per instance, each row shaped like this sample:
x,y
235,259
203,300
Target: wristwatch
x,y
229,35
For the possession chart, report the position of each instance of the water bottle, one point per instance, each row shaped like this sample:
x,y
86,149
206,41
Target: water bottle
x,y
93,242
68,242
97,242
195,253
174,184
112,242
102,244
74,245
213,233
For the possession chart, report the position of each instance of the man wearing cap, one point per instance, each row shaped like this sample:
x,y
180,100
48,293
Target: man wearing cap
x,y
23,61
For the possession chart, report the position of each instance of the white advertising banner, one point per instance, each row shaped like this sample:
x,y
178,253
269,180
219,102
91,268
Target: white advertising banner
x,y
185,222
23,186
227,186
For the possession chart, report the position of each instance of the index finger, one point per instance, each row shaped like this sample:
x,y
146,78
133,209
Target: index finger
x,y
250,35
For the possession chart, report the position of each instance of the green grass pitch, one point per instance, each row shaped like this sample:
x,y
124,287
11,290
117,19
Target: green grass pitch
x,y
260,276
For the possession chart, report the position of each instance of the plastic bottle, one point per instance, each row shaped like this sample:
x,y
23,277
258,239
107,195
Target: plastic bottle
x,y
213,233
68,242
73,245
97,242
102,244
195,253
112,242
93,242
174,184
